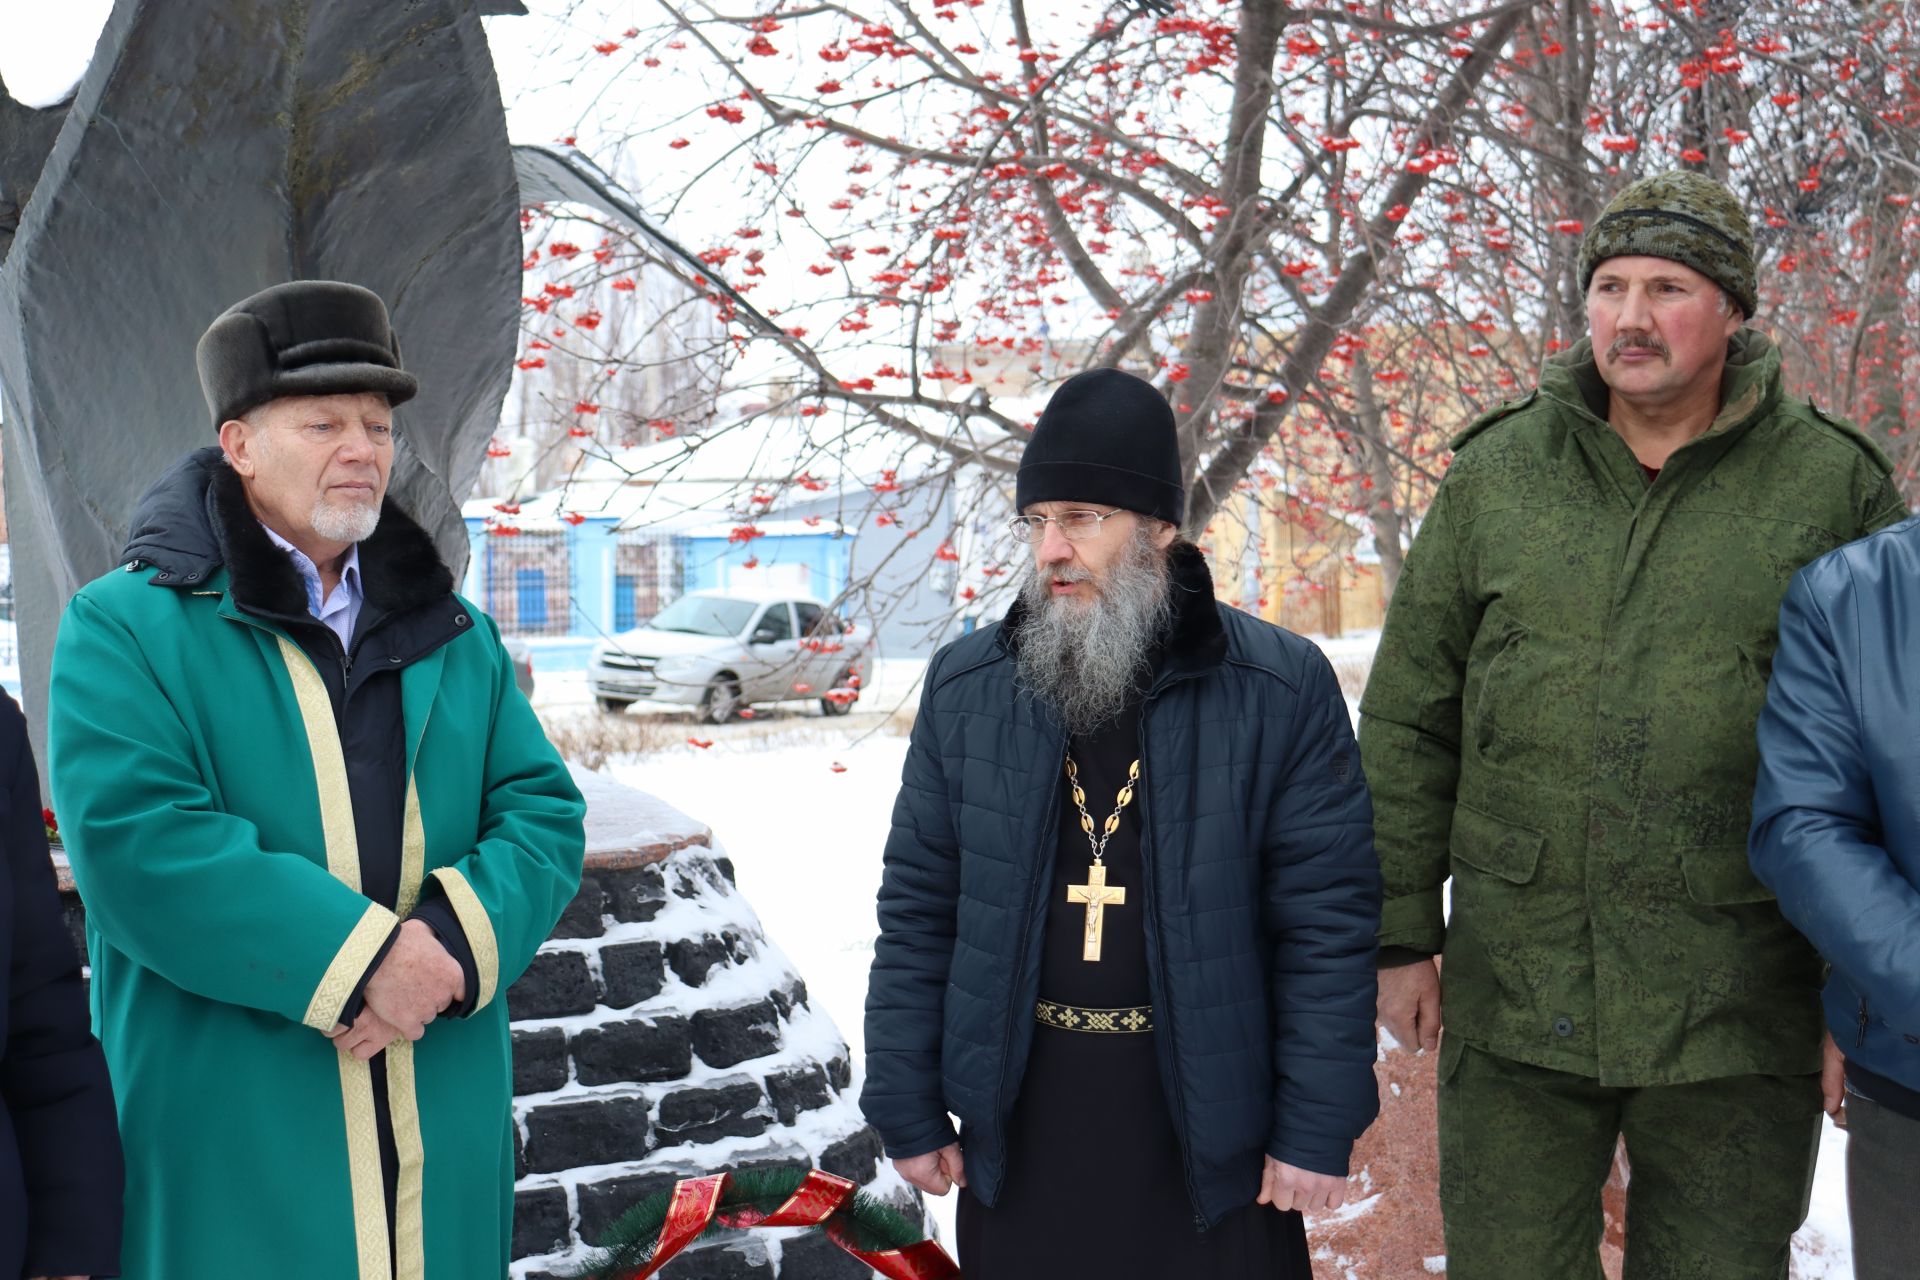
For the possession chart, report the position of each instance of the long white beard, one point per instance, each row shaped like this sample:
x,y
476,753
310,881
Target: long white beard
x,y
345,521
1087,658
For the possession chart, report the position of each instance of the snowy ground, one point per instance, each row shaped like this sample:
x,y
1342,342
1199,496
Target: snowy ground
x,y
805,839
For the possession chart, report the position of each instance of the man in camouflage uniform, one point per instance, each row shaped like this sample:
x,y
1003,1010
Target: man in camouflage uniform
x,y
1561,718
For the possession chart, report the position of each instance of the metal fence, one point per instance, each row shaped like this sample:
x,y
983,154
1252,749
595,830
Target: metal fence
x,y
646,577
529,582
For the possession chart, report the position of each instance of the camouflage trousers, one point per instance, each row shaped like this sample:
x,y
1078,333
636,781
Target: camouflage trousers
x,y
1721,1171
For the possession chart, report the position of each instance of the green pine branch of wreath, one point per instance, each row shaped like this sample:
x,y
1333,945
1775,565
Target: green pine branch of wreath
x,y
866,1222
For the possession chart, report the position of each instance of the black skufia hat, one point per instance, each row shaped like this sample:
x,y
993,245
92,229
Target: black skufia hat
x,y
303,338
1105,437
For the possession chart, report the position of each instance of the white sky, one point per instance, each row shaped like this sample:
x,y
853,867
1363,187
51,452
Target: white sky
x,y
45,46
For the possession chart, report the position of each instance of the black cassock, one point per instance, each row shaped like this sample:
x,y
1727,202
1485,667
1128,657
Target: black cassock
x,y
1094,1186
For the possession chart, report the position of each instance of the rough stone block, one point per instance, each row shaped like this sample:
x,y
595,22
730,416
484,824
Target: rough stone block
x,y
519,1156
780,1152
803,1089
540,1221
602,1203
659,1049
631,972
727,1262
726,869
693,1116
723,1037
555,985
814,1257
841,1074
787,998
690,879
567,1135
584,916
634,894
539,1060
694,958
906,1202
853,1156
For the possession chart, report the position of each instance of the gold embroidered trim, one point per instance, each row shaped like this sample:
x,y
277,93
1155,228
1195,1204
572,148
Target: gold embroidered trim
x,y
349,963
479,930
409,1238
1069,1017
329,765
363,1168
356,1077
413,853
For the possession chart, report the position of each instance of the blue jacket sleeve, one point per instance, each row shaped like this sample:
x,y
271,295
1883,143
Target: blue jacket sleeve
x,y
1816,839
1322,913
906,994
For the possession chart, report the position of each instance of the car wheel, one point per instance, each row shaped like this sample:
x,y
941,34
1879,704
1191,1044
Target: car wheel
x,y
721,700
613,706
840,706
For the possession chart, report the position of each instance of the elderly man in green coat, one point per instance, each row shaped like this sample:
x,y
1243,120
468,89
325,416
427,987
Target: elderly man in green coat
x,y
1561,719
317,829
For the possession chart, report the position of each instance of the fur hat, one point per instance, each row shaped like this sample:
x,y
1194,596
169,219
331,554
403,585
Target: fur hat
x,y
1105,437
303,338
1683,216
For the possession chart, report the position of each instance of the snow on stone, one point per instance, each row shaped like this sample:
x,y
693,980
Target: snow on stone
x,y
718,965
1347,1212
616,812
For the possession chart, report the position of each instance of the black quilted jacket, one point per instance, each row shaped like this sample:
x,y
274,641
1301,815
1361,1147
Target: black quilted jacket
x,y
1262,900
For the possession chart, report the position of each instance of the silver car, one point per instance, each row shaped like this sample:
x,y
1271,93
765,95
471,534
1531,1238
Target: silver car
x,y
722,651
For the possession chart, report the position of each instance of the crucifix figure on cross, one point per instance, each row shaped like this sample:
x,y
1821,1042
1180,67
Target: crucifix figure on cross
x,y
1098,895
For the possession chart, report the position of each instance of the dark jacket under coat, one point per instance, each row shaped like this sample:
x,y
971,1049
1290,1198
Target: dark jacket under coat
x,y
1261,900
61,1173
1836,814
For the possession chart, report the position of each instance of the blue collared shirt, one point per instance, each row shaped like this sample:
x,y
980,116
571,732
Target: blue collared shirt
x,y
340,610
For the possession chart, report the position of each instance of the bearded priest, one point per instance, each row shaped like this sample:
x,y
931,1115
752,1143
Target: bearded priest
x,y
1127,908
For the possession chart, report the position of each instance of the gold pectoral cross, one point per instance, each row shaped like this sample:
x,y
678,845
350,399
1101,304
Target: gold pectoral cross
x,y
1098,895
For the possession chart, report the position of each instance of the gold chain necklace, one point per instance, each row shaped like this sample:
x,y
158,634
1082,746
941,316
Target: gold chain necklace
x,y
1096,893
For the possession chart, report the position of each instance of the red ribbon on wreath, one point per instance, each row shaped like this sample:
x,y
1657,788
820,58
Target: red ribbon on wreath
x,y
696,1203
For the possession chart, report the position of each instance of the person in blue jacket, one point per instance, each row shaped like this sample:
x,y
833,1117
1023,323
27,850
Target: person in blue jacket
x,y
61,1175
1836,835
1129,901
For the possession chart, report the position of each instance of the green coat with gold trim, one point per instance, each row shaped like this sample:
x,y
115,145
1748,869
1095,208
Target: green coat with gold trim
x,y
1560,719
199,783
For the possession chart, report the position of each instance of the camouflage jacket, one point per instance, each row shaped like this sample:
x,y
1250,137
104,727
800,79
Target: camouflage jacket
x,y
1561,718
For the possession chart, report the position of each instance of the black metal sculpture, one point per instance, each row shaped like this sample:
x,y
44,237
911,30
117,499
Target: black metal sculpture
x,y
210,150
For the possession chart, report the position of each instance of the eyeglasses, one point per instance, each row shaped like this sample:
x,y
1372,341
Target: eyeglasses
x,y
1075,526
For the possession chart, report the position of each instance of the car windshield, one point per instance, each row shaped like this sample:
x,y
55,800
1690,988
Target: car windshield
x,y
704,616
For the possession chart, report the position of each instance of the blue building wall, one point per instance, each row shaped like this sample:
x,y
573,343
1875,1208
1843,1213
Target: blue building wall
x,y
906,596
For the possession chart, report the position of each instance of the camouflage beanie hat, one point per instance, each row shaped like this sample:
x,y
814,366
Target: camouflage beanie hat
x,y
1682,216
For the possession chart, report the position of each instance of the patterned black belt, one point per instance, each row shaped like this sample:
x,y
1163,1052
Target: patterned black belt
x,y
1072,1017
